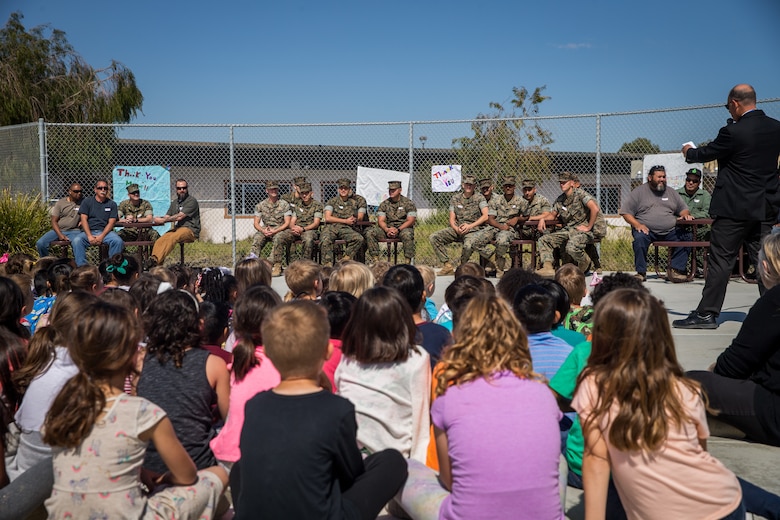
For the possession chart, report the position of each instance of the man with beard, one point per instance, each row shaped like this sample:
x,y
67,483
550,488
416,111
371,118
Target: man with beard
x,y
652,211
184,212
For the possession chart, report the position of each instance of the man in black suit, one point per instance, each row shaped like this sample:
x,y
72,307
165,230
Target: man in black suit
x,y
745,200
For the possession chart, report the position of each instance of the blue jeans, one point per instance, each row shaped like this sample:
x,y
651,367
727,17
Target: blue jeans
x,y
80,244
758,501
615,509
642,244
42,245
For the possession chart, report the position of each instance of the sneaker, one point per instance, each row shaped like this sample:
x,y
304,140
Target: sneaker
x,y
696,321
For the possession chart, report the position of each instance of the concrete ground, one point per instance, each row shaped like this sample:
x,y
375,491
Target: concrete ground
x,y
696,350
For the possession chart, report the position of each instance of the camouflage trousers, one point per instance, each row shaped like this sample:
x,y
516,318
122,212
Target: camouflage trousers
x,y
374,234
131,234
442,238
572,240
503,240
308,242
277,247
331,233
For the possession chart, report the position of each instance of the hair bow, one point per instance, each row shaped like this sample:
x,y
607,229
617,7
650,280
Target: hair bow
x,y
121,269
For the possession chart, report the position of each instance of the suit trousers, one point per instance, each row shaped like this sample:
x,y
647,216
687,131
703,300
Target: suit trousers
x,y
727,236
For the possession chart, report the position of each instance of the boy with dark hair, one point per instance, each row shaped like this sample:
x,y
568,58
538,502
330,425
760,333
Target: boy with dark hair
x,y
535,306
299,455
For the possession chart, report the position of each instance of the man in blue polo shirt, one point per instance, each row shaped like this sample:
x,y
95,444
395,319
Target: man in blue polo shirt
x,y
98,215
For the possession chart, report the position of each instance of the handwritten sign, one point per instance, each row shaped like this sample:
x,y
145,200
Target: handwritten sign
x,y
445,178
675,165
154,183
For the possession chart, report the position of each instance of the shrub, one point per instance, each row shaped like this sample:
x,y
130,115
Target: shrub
x,y
23,219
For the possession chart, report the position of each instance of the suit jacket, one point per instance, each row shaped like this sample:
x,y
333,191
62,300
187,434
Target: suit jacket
x,y
747,187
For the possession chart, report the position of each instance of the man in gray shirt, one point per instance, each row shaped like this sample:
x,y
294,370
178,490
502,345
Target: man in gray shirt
x,y
652,211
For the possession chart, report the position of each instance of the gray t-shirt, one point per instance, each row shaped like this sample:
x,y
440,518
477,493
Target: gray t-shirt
x,y
658,211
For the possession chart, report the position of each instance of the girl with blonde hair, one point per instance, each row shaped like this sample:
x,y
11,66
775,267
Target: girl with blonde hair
x,y
352,277
495,423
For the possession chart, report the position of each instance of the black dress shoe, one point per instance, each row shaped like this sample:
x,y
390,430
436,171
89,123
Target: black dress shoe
x,y
696,321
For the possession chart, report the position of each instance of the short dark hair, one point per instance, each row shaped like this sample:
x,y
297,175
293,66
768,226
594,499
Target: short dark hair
x,y
535,308
614,281
409,282
462,290
381,328
657,168
215,316
562,303
339,305
514,280
470,269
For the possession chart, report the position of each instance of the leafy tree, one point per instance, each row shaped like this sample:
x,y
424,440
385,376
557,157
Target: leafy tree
x,y
640,146
505,142
44,77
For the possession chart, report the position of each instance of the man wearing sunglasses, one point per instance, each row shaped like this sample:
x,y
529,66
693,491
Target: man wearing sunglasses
x,y
745,199
184,212
98,216
64,220
135,209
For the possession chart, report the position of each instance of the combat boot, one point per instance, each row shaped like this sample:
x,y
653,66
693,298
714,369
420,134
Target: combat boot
x,y
500,266
546,270
446,269
277,270
408,260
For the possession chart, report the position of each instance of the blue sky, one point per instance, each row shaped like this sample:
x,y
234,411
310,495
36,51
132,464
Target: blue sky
x,y
353,61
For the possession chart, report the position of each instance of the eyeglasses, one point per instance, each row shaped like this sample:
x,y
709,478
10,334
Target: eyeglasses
x,y
726,106
181,188
136,192
101,188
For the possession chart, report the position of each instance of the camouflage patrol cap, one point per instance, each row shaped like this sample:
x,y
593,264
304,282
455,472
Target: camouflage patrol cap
x,y
394,185
132,188
566,176
299,180
509,181
272,185
468,179
304,187
486,182
344,183
529,183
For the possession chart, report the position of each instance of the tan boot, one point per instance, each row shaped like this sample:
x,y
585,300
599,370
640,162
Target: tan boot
x,y
408,260
277,270
546,270
446,269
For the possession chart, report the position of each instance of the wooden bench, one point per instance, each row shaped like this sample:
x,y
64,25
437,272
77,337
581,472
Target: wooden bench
x,y
671,244
392,243
181,250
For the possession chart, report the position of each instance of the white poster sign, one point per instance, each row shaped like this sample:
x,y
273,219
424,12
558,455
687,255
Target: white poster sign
x,y
675,167
371,183
445,178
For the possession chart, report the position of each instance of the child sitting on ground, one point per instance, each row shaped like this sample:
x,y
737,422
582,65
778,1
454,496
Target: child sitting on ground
x,y
303,280
573,280
339,305
429,279
299,458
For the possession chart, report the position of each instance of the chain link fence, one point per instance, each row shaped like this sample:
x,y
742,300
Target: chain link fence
x,y
228,166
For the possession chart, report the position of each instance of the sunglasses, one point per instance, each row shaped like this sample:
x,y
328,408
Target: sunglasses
x,y
102,188
179,188
136,192
76,191
695,181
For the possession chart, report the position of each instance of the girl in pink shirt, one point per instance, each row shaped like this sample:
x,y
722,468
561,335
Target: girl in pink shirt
x,y
251,372
644,421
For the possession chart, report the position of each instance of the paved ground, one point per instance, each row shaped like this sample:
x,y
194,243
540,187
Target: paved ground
x,y
756,463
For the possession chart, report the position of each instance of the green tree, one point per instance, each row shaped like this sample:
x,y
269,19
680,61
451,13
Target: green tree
x,y
42,76
639,146
506,142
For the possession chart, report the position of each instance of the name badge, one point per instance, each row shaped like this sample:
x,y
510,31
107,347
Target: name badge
x,y
341,207
460,206
696,200
107,209
664,198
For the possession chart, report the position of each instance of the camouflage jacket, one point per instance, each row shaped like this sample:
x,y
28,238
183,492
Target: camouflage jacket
x,y
126,209
573,211
291,199
345,208
503,209
467,210
538,205
272,213
305,215
396,213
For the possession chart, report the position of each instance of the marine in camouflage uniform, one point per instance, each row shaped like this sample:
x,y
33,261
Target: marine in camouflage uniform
x,y
135,209
503,218
341,213
582,222
396,217
294,197
468,213
306,217
532,205
275,215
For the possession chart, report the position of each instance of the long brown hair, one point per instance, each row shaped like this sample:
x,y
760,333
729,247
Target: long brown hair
x,y
488,339
105,343
635,368
251,309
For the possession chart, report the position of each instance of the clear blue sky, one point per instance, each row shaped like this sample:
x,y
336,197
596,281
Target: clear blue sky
x,y
297,61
